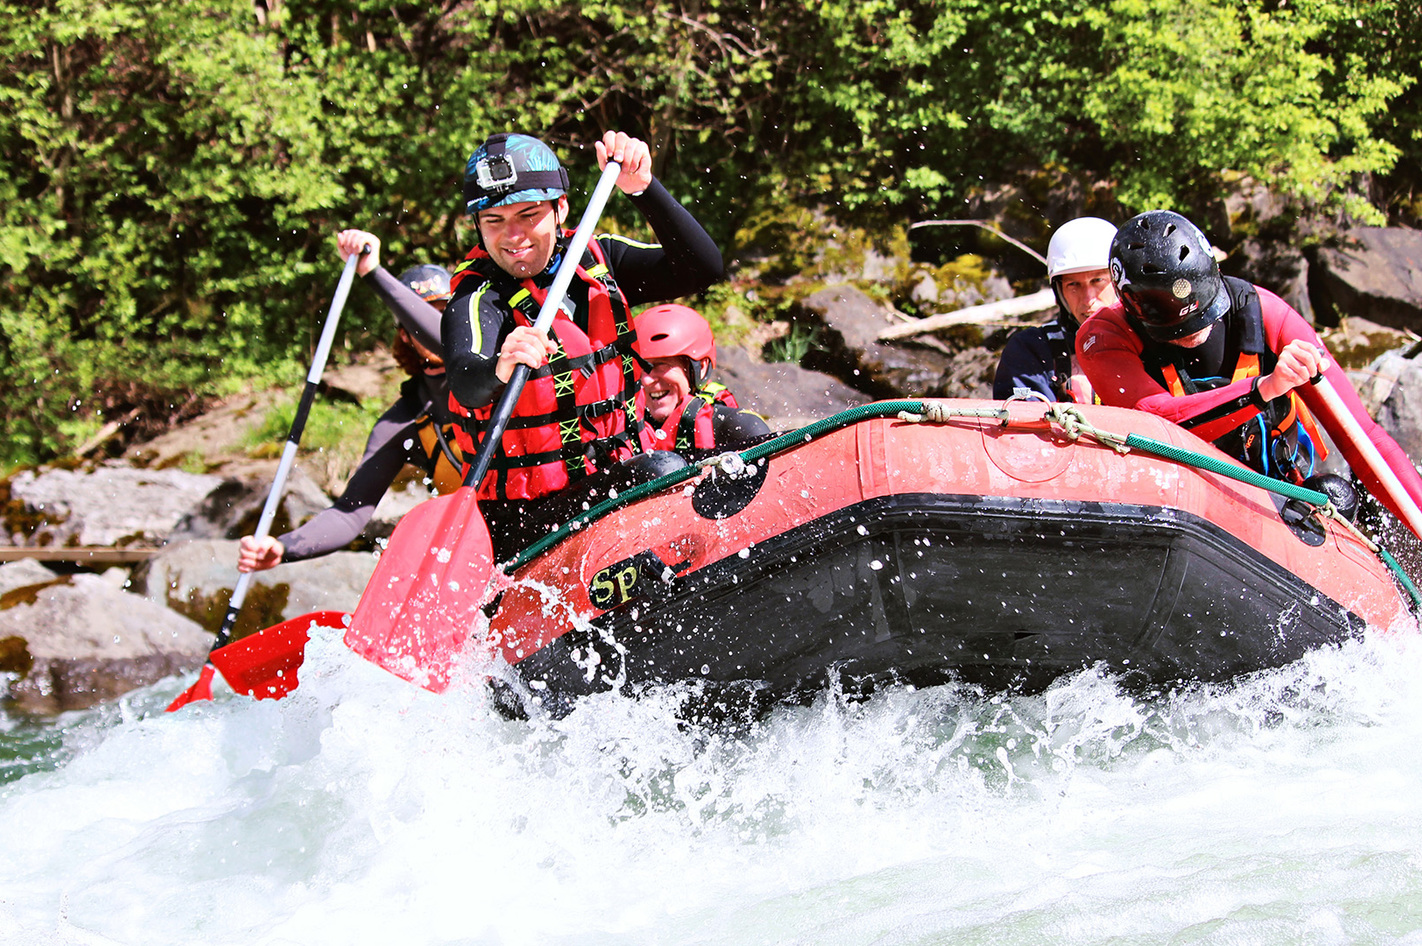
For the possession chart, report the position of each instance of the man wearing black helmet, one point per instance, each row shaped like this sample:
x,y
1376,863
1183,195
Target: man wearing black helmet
x,y
574,416
418,429
1225,359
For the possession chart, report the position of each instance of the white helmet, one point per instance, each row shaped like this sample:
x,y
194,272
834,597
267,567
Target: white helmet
x,y
1080,246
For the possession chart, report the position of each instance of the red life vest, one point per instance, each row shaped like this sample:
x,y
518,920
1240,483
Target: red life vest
x,y
690,426
572,409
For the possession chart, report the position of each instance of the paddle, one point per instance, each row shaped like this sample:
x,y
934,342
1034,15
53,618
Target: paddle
x,y
433,576
1411,514
253,654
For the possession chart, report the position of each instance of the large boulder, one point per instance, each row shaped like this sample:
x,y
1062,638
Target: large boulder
x,y
848,322
399,499
963,282
233,507
196,578
72,641
1358,343
112,505
785,394
1391,387
1376,274
1263,230
1277,266
22,574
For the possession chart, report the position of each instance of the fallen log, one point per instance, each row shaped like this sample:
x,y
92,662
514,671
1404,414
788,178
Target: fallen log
x,y
97,555
987,312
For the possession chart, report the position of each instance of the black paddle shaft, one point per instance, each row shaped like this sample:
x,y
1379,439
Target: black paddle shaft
x,y
495,431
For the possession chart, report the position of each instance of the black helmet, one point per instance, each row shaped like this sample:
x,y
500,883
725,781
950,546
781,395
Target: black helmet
x,y
428,281
1166,275
510,169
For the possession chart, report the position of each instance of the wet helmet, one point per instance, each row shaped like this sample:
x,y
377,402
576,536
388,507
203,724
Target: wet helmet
x,y
1166,275
1080,246
428,281
510,169
670,331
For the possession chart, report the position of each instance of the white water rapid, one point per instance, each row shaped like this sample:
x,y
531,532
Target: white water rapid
x,y
1281,808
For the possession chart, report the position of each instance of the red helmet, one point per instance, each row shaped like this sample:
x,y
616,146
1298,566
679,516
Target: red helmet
x,y
666,331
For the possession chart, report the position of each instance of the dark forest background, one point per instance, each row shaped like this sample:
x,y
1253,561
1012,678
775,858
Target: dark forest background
x,y
173,172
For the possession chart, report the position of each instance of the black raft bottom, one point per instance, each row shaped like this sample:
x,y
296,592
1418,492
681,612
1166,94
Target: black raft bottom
x,y
926,588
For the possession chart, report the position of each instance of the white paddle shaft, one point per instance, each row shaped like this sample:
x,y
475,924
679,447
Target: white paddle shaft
x,y
1401,500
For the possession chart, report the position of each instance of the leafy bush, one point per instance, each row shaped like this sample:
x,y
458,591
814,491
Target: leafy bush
x,y
172,173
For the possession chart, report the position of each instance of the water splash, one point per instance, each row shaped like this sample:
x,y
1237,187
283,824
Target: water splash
x,y
361,809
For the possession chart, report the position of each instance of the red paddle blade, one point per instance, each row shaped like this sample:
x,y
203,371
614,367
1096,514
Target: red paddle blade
x,y
200,690
264,664
424,597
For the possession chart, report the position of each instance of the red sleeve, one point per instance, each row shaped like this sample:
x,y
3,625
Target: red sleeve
x,y
1110,353
1281,326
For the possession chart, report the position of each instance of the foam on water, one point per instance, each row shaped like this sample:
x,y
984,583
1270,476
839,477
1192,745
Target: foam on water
x,y
1279,808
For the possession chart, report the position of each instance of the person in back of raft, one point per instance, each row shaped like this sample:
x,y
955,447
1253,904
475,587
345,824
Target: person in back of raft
x,y
1225,359
1042,358
573,421
418,429
679,406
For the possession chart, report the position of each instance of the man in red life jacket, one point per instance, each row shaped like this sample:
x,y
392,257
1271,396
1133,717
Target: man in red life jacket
x,y
679,406
1225,359
574,417
1042,358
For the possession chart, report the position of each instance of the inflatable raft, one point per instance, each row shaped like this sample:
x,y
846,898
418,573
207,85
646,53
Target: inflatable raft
x,y
995,545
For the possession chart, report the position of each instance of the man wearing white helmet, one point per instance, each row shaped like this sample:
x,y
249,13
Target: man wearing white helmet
x,y
1043,358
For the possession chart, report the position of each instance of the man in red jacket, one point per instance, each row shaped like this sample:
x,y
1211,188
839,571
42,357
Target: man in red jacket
x,y
1225,359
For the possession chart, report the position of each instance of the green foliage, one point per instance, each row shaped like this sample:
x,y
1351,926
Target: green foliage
x,y
173,173
1172,91
330,426
335,432
794,345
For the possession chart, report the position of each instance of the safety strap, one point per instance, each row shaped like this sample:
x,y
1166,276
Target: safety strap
x,y
686,425
1061,348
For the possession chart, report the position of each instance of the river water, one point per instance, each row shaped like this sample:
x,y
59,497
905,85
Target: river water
x,y
1281,808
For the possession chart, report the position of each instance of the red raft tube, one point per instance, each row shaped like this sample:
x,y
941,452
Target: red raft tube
x,y
996,545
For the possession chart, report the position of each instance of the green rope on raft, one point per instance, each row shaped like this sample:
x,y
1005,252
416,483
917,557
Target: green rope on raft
x,y
1402,578
751,455
1067,416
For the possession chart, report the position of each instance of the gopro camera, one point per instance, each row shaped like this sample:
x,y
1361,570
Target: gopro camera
x,y
496,173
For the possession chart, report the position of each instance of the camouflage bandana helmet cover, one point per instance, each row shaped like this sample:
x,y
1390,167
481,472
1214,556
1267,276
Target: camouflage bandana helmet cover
x,y
511,169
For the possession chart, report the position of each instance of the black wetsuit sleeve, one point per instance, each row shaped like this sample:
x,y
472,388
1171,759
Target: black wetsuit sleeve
x,y
391,445
686,260
474,327
733,426
414,314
